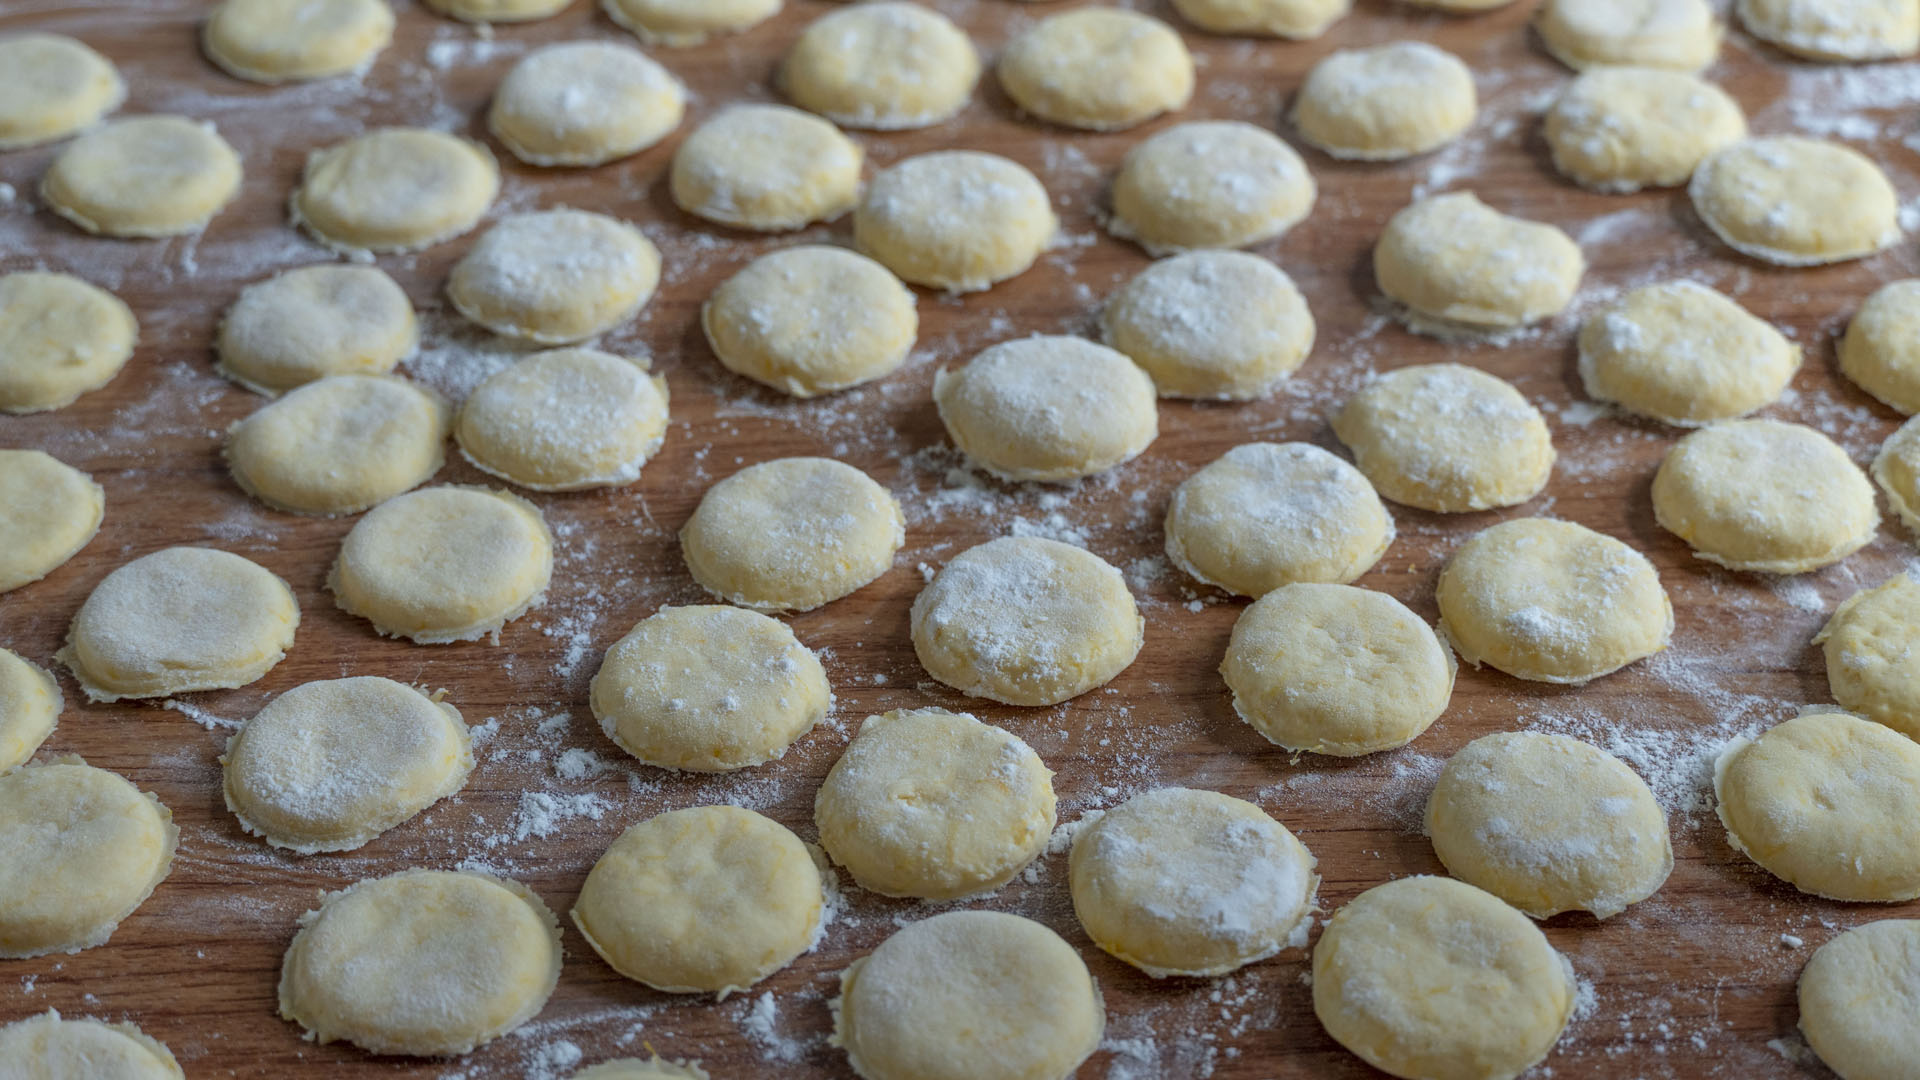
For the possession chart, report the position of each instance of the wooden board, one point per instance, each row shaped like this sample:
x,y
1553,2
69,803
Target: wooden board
x,y
1695,982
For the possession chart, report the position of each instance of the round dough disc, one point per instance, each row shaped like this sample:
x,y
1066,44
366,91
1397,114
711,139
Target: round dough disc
x,y
1897,470
1447,438
1620,129
555,276
340,444
52,86
1678,35
811,320
1682,353
1296,20
687,22
1221,325
958,220
59,1049
1881,349
1835,30
636,1069
491,11
767,168
1857,1000
1796,201
585,103
143,176
885,65
59,338
1873,664
312,322
275,41
395,189
49,510
1458,265
565,420
30,705
1386,102
1097,68
1209,184
1048,409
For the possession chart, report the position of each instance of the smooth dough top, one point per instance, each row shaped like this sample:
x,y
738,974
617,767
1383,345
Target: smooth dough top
x,y
811,320
1796,201
1620,129
1872,646
395,189
564,420
1048,408
1385,102
1896,468
1224,325
30,706
1208,184
312,322
1295,20
1682,353
687,22
555,276
59,338
1881,349
143,176
274,41
1680,35
1835,30
52,86
340,444
881,65
49,510
1098,68
1858,996
1447,438
766,167
958,220
49,1047
585,103
509,11
1454,259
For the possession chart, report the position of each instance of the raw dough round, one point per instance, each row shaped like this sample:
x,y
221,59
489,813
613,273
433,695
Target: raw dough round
x,y
1430,977
1296,20
1873,664
1447,438
654,1068
328,766
1678,35
30,705
275,41
1221,325
811,320
1461,266
491,11
709,688
1264,515
585,103
84,849
52,86
767,168
1835,29
1764,495
143,176
1881,349
49,510
710,899
1796,201
1336,670
395,189
883,65
312,322
1386,102
934,804
179,620
565,420
1828,802
1620,129
1097,68
555,276
339,445
1183,882
47,1047
969,995
957,220
1026,621
1048,408
59,338
1458,7
687,22
485,950
1897,469
1209,184
1857,999
443,564
1681,353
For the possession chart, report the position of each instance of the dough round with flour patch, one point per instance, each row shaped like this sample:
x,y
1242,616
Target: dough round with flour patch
x,y
51,1047
1620,129
1897,470
1873,664
792,534
30,704
143,176
395,189
655,1068
1796,201
488,948
1447,438
585,103
1857,999
1386,102
1221,325
1881,349
1678,35
1048,409
687,22
1296,20
1183,882
767,168
565,420
1461,266
52,86
1835,30
49,510
1764,495
555,276
312,322
1097,68
1210,184
340,444
179,620
882,65
934,804
276,41
492,11
811,320
60,337
709,688
84,849
1681,353
957,220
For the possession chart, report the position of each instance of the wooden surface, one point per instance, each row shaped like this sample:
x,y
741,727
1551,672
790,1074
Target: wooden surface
x,y
1695,982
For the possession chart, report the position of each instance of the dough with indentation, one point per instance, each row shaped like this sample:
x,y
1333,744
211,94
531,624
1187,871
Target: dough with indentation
x,y
50,1047
1447,438
767,168
1385,102
1048,409
885,65
1620,129
958,220
1222,325
313,322
1458,265
30,705
276,41
1209,184
49,510
1857,1000
565,420
555,276
1881,349
52,86
492,11
1796,201
1295,20
1097,68
143,176
60,337
395,189
585,103
1835,30
811,320
1682,353
1872,647
687,22
1677,35
1896,468
339,445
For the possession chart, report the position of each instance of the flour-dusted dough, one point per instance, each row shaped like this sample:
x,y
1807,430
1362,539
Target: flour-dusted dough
x,y
958,220
339,445
1620,129
1829,803
144,176
811,320
49,510
395,189
709,688
1764,495
1447,438
1097,68
30,705
60,337
934,804
565,420
52,86
792,534
555,276
767,168
1857,1000
312,322
1872,646
1182,882
687,22
1458,265
1881,349
1683,354
969,995
1678,35
429,963
1048,409
329,765
1835,30
84,849
1209,184
655,1068
1796,201
1896,468
884,65
1385,102
1222,325
179,620
49,1047
1458,7
275,41
491,11
1296,20
585,103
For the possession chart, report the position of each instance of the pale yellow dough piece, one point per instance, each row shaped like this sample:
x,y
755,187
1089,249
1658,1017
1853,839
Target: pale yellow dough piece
x,y
687,22
1458,7
429,963
275,41
1209,184
1620,129
395,189
1182,882
957,220
1385,102
1872,646
1218,325
328,766
1447,438
1048,409
565,420
316,321
1683,354
1881,349
1827,802
1026,621
934,804
1897,470
49,510
84,849
710,899
767,168
555,276
811,320
1764,495
1857,1000
1336,670
885,65
52,86
60,337
48,1047
30,705
585,103
1835,30
1796,201
179,620
969,995
1097,68
1460,266
1432,978
491,11
709,688
444,564
1296,20
635,1069
143,176
1678,35
339,445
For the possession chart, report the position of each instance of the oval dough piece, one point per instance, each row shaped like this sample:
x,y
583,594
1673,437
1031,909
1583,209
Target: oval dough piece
x,y
1835,30
1683,354
635,1069
1295,20
492,11
60,337
1857,997
957,220
84,849
1447,438
179,620
1210,184
1458,265
1796,201
1764,495
1872,646
565,420
48,1047
30,705
886,66
395,189
687,22
1620,129
811,320
1097,68
144,176
52,86
1026,621
1458,7
1881,349
1221,325
767,168
585,103
1049,409
555,276
488,948
1386,102
1183,882
49,510
1678,35
340,444
306,324
276,41
1897,470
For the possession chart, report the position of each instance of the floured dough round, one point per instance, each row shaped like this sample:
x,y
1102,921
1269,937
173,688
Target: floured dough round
x,y
655,1068
328,766
709,688
687,22
1221,325
179,620
1829,803
52,86
1097,68
1873,665
1386,102
1296,20
1857,1001
30,705
1764,495
883,65
339,445
487,948
275,41
958,220
491,11
1796,201
1447,438
1835,29
84,849
60,337
49,510
934,804
555,276
48,1047
1458,7
395,189
1881,349
143,176
1026,621
565,420
1620,129
1183,882
312,322
811,320
585,103
1209,184
1336,670
767,168
966,995
1679,35
1897,470
1682,353
1048,409
1461,266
